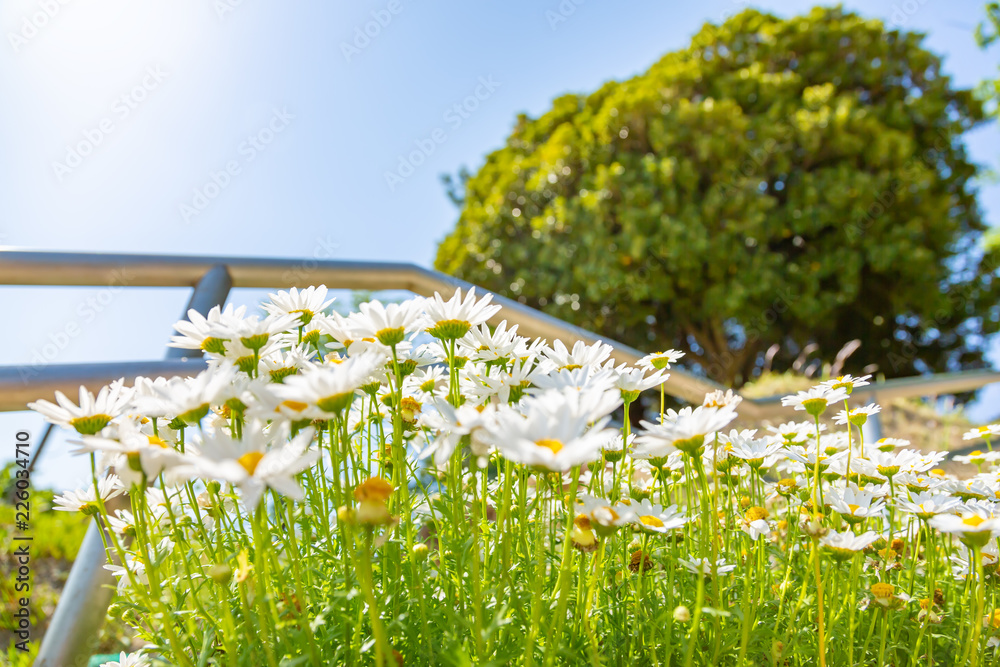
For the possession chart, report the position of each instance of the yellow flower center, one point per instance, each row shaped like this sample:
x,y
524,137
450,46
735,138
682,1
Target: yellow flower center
x,y
250,461
882,591
975,521
650,520
373,489
157,441
555,446
294,405
756,513
90,425
854,508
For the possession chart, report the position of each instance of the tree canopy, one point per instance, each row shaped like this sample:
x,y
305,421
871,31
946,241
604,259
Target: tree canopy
x,y
779,182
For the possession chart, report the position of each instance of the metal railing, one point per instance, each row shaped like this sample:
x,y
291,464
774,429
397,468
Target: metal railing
x,y
87,593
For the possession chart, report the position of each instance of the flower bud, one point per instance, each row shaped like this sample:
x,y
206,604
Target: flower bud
x,y
682,614
220,573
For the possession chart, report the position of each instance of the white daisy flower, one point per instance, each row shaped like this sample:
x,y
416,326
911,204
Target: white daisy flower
x,y
581,355
85,500
327,389
633,381
249,464
656,518
452,319
128,660
722,399
703,566
143,454
982,432
452,424
138,570
387,324
925,505
684,430
853,504
974,528
857,416
557,430
305,304
659,361
208,333
847,382
815,400
188,399
846,544
92,414
605,517
753,450
499,344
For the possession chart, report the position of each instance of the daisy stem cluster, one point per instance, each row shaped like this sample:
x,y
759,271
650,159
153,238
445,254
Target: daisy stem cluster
x,y
407,484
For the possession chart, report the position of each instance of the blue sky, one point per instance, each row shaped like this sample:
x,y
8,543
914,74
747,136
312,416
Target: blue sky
x,y
257,127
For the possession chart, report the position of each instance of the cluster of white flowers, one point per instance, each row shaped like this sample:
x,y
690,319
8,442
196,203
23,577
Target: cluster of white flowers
x,y
420,383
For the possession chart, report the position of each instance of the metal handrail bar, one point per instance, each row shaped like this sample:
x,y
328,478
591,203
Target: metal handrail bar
x,y
28,267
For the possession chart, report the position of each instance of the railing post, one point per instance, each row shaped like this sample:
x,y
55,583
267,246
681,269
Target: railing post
x,y
211,291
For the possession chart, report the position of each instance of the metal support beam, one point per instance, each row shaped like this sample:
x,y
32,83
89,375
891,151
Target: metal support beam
x,y
20,385
82,604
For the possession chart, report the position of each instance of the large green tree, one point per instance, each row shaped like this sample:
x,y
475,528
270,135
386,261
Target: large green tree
x,y
778,182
